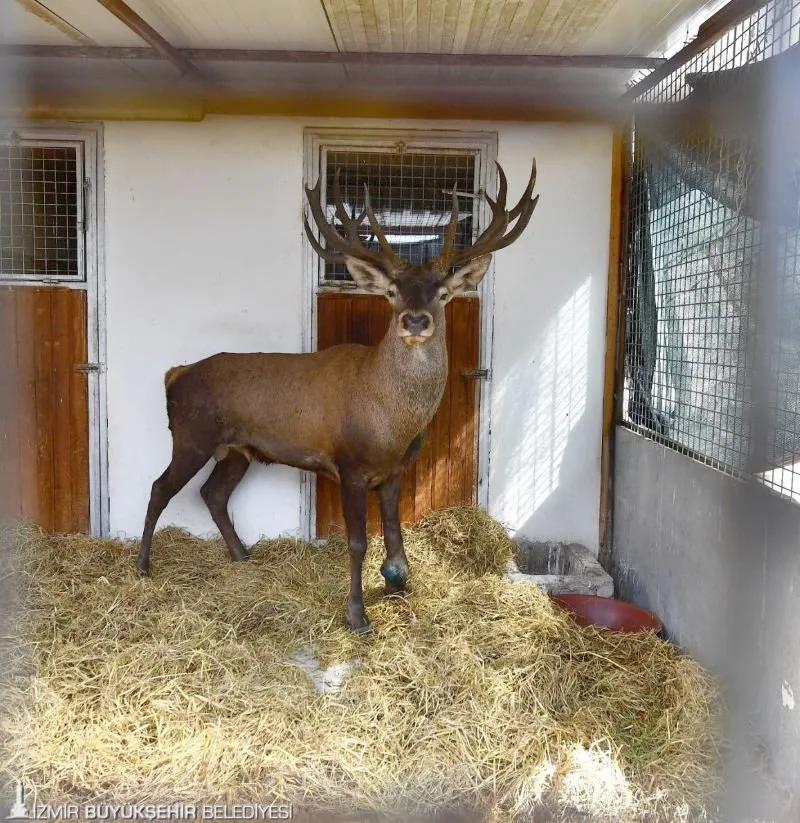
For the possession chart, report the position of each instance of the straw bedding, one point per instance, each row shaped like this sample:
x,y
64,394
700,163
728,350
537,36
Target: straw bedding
x,y
474,693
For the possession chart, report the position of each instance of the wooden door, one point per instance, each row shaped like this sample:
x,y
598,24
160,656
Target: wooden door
x,y
446,471
44,407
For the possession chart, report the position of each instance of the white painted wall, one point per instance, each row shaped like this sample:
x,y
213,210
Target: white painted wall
x,y
549,342
204,254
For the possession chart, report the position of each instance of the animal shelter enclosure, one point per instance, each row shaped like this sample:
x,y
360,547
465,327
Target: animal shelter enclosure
x,y
619,414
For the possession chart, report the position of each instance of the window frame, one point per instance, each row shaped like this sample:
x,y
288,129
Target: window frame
x,y
401,147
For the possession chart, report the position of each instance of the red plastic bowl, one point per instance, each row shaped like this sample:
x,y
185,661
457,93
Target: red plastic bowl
x,y
607,613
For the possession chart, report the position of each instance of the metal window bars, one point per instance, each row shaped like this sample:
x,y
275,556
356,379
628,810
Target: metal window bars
x,y
40,204
410,194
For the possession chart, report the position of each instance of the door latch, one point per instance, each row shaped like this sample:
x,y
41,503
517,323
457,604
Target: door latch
x,y
476,374
86,368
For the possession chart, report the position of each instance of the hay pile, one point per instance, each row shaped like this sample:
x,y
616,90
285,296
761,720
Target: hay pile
x,y
473,693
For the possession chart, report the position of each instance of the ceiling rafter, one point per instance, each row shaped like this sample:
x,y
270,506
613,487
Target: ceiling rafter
x,y
588,61
125,14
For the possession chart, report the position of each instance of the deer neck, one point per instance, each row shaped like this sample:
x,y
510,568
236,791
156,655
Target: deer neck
x,y
412,378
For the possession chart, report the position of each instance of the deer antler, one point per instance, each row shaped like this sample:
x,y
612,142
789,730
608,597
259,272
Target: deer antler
x,y
494,237
351,244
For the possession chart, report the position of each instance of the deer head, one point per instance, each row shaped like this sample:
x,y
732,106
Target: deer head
x,y
418,294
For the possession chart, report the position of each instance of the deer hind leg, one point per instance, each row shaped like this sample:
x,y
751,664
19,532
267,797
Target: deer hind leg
x,y
395,567
184,466
354,508
216,493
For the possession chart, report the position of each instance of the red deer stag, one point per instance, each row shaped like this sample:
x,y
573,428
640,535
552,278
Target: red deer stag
x,y
356,414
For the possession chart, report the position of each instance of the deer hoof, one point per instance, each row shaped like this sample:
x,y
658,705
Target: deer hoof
x,y
357,619
395,575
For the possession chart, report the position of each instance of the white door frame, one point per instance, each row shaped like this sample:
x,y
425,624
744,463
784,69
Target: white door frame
x,y
87,138
484,144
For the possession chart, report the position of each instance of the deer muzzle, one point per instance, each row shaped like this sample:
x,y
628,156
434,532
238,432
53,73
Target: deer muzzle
x,y
415,327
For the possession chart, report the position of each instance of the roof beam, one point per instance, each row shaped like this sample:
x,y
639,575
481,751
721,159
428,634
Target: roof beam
x,y
124,13
183,57
125,105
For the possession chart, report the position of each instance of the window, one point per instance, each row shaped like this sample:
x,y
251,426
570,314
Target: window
x,y
411,195
41,207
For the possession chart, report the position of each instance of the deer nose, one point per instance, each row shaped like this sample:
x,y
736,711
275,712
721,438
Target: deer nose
x,y
415,324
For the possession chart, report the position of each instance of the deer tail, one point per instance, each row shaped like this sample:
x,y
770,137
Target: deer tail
x,y
173,374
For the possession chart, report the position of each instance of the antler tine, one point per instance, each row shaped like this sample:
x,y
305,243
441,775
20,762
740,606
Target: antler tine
x,y
526,213
325,254
494,237
349,222
486,242
341,246
446,254
526,196
325,228
502,190
500,218
452,226
388,252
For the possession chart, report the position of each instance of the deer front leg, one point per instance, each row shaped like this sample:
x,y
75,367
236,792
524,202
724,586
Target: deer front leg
x,y
395,568
354,508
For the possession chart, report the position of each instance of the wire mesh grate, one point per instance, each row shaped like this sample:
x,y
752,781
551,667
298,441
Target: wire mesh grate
x,y
39,211
712,352
410,193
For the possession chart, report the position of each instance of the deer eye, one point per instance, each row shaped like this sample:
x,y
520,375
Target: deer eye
x,y
443,296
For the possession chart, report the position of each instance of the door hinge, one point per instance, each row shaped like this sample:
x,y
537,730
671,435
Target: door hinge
x,y
476,374
88,368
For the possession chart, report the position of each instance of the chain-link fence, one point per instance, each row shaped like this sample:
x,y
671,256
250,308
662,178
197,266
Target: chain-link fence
x,y
712,354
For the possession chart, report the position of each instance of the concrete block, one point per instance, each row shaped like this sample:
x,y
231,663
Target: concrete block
x,y
559,568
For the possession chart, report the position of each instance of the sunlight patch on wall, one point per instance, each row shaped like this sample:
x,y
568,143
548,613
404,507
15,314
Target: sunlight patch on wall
x,y
550,387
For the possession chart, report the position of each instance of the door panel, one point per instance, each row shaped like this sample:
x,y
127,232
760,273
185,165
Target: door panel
x,y
44,407
446,471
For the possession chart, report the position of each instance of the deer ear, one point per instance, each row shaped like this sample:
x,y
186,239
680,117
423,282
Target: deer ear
x,y
366,275
467,277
